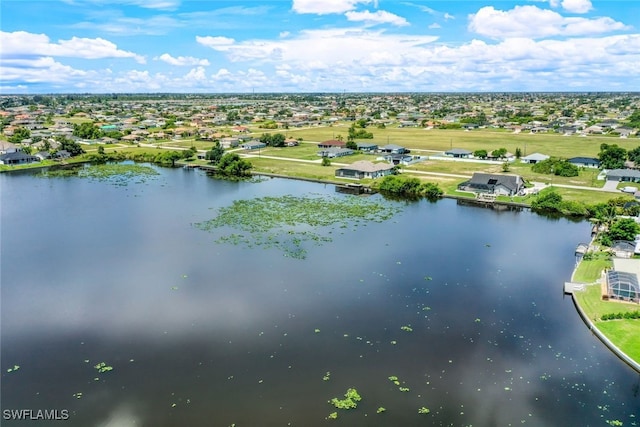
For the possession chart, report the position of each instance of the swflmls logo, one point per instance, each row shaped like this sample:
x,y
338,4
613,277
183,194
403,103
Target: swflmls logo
x,y
35,414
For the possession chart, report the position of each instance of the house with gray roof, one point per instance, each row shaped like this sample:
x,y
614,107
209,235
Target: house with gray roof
x,y
393,149
367,147
458,153
335,152
498,184
17,158
631,175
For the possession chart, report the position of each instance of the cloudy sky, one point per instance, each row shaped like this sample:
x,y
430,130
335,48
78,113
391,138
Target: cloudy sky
x,y
105,46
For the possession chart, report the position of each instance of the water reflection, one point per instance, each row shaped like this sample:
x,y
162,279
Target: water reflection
x,y
206,334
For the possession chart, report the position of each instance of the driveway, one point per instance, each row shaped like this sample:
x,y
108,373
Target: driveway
x,y
610,185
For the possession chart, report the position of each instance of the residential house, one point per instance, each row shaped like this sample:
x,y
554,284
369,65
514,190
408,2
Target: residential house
x,y
585,162
623,175
393,149
332,143
229,142
291,142
364,169
335,152
7,147
534,158
43,155
367,147
17,158
402,159
498,184
253,145
458,153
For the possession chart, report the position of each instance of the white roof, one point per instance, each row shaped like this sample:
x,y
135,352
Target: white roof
x,y
535,156
367,166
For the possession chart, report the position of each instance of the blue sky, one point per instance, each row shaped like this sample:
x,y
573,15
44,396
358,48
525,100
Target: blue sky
x,y
106,46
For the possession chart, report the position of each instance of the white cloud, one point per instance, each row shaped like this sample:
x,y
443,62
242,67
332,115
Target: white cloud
x,y
531,21
325,46
435,26
379,17
126,26
24,44
156,4
448,16
577,6
215,42
326,6
181,60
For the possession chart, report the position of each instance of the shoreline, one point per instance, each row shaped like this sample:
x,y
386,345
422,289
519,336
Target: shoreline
x,y
601,336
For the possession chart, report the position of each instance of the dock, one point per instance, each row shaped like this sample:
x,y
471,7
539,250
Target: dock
x,y
571,287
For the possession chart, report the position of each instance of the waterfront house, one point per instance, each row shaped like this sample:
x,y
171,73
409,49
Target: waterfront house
x,y
364,169
498,184
622,285
17,158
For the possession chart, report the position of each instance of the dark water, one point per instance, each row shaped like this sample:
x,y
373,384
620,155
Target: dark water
x,y
203,334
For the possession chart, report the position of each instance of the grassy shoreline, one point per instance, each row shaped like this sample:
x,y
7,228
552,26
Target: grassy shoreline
x,y
621,333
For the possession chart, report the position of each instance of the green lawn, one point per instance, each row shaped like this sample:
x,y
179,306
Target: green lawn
x,y
623,333
594,306
589,271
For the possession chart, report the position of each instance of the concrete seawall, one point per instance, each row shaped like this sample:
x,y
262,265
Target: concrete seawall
x,y
592,327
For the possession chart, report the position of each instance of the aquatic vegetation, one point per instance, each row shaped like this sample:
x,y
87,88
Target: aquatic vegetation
x,y
333,416
404,389
103,367
406,328
117,173
77,395
380,410
288,223
327,376
424,410
15,368
349,402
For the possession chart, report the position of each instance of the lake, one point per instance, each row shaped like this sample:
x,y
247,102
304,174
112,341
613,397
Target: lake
x,y
463,305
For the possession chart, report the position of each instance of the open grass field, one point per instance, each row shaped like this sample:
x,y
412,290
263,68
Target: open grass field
x,y
487,139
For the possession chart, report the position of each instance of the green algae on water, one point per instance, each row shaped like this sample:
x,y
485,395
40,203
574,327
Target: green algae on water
x,y
120,174
290,223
